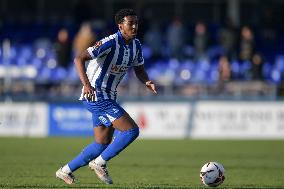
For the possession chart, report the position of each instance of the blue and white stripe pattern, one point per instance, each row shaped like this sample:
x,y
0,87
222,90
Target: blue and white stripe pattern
x,y
111,60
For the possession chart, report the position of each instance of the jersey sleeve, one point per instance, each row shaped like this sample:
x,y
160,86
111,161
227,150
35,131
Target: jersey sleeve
x,y
100,48
139,59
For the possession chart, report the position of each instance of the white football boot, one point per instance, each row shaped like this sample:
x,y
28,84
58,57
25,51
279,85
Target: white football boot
x,y
101,171
67,178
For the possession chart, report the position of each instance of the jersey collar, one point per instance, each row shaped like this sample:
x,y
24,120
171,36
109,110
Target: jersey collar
x,y
121,39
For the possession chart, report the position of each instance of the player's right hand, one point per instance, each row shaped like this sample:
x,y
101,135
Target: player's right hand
x,y
89,93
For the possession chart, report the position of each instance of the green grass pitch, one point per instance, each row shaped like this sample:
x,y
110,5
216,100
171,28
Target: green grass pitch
x,y
32,162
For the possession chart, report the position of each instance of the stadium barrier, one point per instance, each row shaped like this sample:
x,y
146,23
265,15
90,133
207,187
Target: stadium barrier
x,y
164,119
23,119
238,119
69,120
160,119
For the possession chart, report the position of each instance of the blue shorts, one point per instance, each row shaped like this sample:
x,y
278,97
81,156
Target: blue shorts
x,y
104,112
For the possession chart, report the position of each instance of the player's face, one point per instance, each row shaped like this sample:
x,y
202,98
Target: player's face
x,y
129,27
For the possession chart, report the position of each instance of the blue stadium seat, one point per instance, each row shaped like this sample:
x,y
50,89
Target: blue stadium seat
x,y
245,68
72,75
276,76
279,63
213,73
203,64
147,52
266,70
37,63
235,68
58,75
25,52
44,75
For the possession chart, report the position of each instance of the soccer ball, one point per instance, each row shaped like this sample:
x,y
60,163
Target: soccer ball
x,y
212,174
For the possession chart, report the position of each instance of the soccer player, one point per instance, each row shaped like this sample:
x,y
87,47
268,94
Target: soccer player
x,y
110,58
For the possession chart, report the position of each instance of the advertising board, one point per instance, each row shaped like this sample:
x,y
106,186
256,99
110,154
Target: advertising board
x,y
23,119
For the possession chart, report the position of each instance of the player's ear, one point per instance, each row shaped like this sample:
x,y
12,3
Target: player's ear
x,y
120,26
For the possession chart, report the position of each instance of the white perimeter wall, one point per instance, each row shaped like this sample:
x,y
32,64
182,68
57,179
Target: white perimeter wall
x,y
23,119
209,119
199,119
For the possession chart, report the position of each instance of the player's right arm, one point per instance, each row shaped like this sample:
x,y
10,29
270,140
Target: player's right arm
x,y
100,49
88,90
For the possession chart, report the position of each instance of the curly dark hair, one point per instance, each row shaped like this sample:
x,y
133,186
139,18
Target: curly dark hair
x,y
119,16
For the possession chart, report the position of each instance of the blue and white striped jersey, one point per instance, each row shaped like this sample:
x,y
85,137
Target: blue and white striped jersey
x,y
111,60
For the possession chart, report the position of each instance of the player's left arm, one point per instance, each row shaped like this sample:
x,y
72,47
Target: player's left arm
x,y
142,75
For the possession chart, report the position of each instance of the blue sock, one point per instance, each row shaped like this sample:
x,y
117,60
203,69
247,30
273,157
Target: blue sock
x,y
121,141
88,154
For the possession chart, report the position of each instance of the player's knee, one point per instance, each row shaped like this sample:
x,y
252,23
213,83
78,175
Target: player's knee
x,y
103,140
103,137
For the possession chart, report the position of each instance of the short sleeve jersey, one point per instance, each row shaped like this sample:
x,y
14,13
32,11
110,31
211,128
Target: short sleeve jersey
x,y
111,58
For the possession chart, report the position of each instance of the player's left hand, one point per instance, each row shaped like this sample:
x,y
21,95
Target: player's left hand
x,y
151,86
